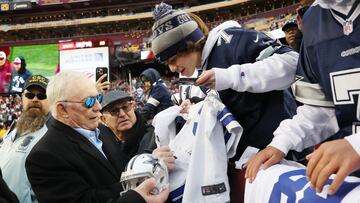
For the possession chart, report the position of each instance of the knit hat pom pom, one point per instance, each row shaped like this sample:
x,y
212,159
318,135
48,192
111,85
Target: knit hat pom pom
x,y
161,10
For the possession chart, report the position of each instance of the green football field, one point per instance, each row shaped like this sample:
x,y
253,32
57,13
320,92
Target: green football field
x,y
40,59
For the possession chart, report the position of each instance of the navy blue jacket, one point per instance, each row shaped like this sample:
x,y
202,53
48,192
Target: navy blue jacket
x,y
159,97
331,59
258,113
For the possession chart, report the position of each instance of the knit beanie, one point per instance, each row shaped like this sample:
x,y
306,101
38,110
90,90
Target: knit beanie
x,y
171,30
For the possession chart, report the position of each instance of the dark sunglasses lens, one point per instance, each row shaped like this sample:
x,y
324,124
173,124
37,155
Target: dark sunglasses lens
x,y
29,95
126,107
114,112
41,96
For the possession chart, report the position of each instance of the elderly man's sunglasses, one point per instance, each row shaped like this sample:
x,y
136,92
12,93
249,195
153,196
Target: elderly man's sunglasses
x,y
40,96
116,110
89,102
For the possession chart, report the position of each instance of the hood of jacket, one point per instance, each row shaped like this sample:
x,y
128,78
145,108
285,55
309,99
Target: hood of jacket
x,y
151,75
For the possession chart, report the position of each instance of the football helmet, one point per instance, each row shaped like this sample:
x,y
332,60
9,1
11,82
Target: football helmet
x,y
142,167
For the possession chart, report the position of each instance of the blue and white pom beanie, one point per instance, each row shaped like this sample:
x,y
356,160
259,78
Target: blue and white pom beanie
x,y
171,30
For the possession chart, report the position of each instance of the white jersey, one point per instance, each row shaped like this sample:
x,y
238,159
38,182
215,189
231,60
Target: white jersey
x,y
13,153
164,125
286,182
202,148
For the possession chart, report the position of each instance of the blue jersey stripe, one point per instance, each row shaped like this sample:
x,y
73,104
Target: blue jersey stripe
x,y
195,128
222,113
228,119
177,193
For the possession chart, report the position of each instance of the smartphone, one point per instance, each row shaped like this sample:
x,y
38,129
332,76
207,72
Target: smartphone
x,y
187,81
100,71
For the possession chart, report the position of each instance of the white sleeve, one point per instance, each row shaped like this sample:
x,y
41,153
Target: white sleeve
x,y
276,72
308,127
354,140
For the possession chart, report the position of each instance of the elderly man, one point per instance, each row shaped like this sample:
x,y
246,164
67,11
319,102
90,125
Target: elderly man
x,y
17,144
131,131
70,163
133,134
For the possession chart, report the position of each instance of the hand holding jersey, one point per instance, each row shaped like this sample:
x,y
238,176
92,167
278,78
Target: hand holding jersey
x,y
287,182
337,157
264,159
164,153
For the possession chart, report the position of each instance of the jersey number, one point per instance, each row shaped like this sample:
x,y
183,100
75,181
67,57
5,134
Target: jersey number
x,y
345,84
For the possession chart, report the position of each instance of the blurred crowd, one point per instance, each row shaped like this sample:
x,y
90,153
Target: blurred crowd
x,y
256,16
10,109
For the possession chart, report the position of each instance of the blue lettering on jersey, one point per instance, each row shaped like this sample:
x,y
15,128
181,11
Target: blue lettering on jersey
x,y
293,187
195,128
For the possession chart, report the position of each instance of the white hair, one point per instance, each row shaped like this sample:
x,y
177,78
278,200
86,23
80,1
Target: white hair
x,y
63,86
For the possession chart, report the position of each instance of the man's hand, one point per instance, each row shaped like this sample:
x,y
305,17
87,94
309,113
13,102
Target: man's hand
x,y
207,79
102,87
164,153
264,159
145,189
337,157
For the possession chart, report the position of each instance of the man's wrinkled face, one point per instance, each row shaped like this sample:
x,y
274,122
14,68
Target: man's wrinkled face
x,y
120,116
34,99
79,115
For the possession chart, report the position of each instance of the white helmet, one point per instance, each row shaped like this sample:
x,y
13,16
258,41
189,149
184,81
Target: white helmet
x,y
142,167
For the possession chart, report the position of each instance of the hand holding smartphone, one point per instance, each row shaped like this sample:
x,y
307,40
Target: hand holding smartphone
x,y
102,79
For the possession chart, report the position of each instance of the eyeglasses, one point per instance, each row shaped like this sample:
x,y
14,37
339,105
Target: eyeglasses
x,y
2,58
17,63
40,96
115,111
89,102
